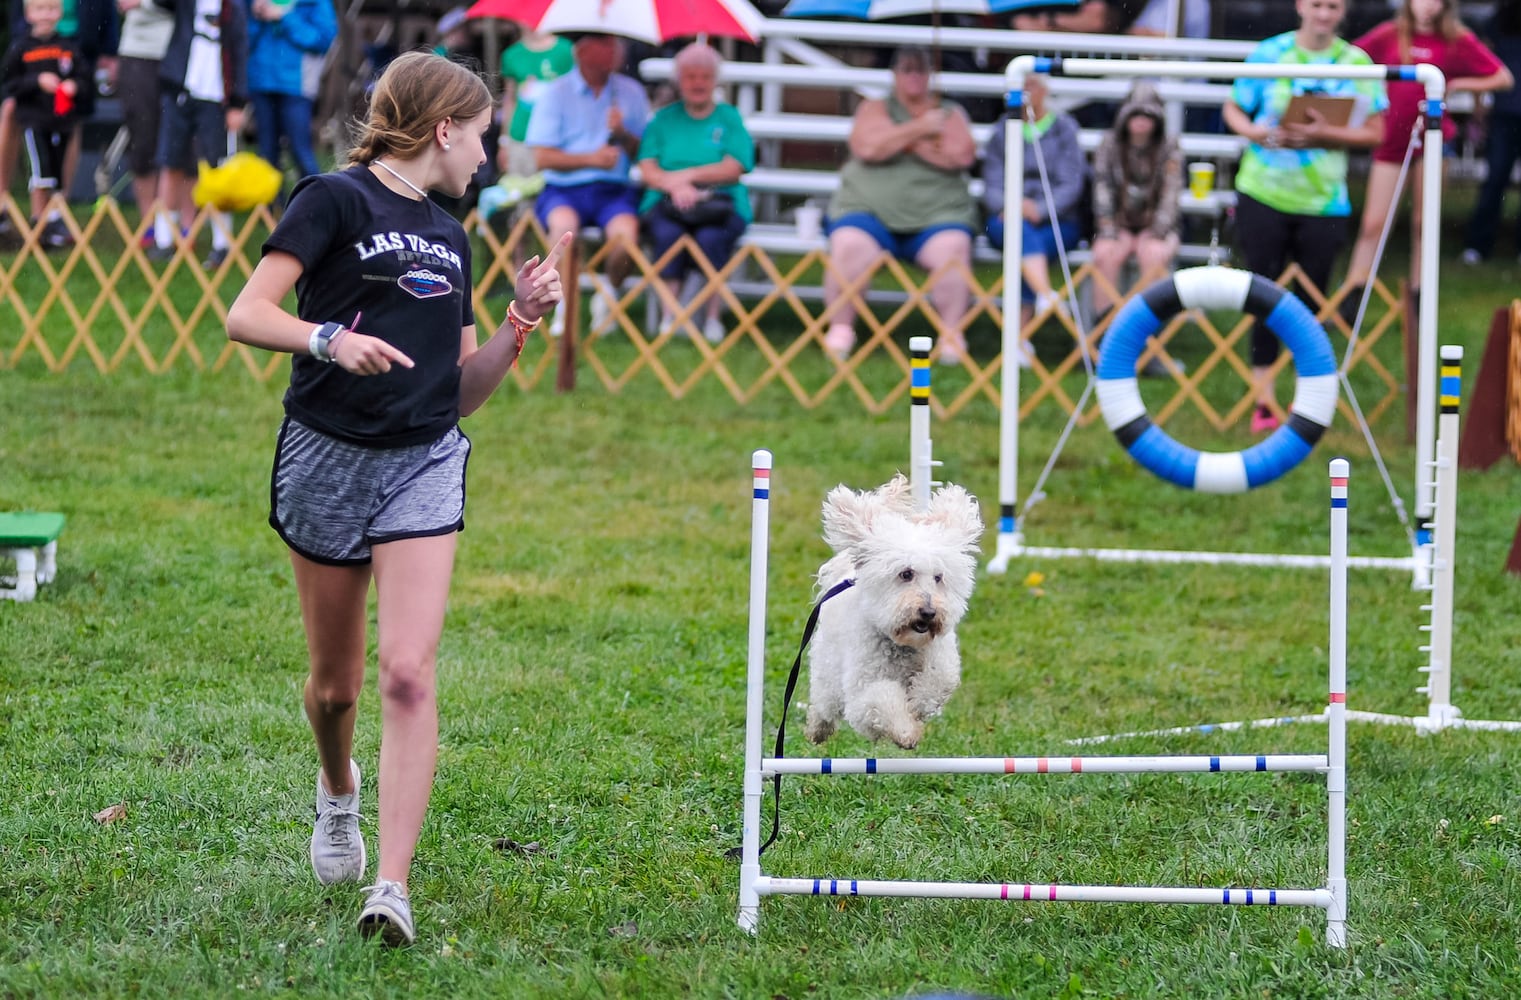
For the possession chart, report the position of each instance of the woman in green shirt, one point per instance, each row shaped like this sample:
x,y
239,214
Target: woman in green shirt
x,y
692,155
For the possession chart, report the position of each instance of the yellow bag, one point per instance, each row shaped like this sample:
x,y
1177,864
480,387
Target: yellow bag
x,y
244,181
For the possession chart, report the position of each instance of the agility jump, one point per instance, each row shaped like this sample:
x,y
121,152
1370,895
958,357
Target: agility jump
x,y
1011,541
754,884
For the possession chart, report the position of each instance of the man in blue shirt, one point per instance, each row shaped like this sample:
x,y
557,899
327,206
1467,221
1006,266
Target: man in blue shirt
x,y
584,133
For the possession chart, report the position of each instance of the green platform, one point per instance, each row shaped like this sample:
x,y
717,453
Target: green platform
x,y
28,529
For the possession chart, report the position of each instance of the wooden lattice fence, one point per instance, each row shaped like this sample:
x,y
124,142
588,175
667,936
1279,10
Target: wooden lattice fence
x,y
104,302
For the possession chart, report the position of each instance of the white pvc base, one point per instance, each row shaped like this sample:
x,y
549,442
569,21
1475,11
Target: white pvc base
x,y
34,566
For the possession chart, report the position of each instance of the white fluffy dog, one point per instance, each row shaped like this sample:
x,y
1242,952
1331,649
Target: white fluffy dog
x,y
884,657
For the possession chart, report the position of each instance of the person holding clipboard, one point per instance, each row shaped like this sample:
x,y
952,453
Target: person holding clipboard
x,y
1291,187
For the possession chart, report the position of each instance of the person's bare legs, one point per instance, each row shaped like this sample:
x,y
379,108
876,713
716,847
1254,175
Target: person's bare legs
x,y
622,232
1036,272
851,252
950,292
333,611
1154,255
1378,201
412,591
561,219
1109,256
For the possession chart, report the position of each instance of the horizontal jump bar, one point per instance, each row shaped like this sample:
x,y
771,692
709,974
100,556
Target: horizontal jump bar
x,y
1405,563
768,885
1044,765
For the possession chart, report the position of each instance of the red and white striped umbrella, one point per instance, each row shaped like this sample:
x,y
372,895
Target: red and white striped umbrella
x,y
653,21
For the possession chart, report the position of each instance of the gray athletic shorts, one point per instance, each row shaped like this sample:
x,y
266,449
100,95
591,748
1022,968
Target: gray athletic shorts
x,y
331,500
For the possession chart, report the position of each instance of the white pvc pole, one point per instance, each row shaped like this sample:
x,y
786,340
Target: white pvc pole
x,y
1043,892
1117,764
760,523
920,462
1426,323
1444,472
1013,247
1336,715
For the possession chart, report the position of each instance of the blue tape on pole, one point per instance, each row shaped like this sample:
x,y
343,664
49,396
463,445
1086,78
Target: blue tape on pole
x,y
871,765
1146,314
1261,766
1452,385
826,766
762,494
1248,897
1214,763
920,378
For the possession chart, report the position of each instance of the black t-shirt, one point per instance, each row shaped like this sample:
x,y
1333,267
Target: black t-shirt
x,y
403,263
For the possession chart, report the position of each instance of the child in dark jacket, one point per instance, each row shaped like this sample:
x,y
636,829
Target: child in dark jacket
x,y
43,73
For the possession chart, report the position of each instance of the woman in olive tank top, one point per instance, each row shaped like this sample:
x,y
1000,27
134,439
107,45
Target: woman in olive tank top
x,y
904,191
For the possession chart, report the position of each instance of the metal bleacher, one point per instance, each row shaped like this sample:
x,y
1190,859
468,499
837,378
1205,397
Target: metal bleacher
x,y
807,56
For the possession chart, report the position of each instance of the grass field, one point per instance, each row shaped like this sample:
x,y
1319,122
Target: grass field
x,y
592,698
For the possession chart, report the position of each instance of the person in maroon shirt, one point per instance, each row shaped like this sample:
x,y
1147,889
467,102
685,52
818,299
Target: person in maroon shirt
x,y
1422,31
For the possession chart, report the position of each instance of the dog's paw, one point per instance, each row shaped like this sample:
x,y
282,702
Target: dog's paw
x,y
908,737
818,730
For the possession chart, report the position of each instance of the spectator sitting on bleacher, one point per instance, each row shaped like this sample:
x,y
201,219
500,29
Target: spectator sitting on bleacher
x,y
1137,177
904,190
1194,20
693,154
1056,135
528,66
1292,202
1100,17
584,130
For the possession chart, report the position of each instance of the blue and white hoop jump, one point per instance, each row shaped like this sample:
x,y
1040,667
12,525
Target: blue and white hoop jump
x,y
1220,288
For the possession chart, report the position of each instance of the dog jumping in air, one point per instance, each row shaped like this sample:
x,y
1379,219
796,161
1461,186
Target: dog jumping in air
x,y
884,656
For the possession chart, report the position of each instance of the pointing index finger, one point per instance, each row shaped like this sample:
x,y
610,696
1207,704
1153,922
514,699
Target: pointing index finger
x,y
556,252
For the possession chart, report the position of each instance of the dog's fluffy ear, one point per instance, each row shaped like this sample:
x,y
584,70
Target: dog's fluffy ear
x,y
958,512
849,515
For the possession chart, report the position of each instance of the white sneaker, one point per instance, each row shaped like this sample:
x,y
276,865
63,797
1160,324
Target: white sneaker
x,y
1472,256
387,912
557,323
337,844
1050,302
601,308
713,330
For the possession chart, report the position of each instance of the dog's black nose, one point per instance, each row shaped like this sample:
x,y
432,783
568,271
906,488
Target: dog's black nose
x,y
927,614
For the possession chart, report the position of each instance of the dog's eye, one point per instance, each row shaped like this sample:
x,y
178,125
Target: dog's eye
x,y
939,578
906,575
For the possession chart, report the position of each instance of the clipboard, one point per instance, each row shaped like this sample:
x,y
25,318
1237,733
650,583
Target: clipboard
x,y
1336,111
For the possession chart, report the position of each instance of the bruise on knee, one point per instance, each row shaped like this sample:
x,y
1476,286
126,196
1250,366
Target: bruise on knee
x,y
406,687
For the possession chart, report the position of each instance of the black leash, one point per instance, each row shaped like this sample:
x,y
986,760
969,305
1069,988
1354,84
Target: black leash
x,y
781,728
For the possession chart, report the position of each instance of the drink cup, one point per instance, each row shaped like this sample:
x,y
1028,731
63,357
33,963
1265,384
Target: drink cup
x,y
1201,179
